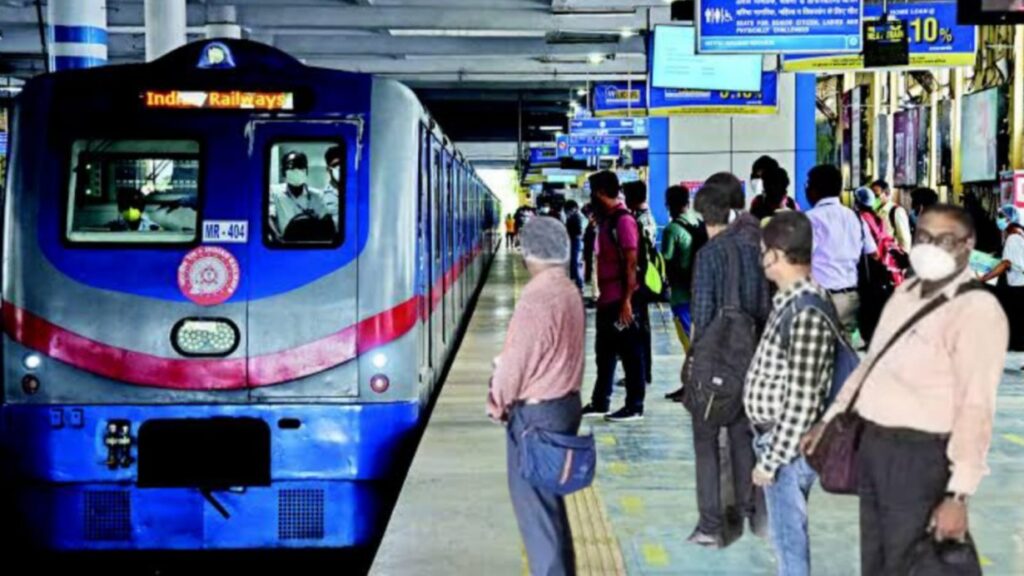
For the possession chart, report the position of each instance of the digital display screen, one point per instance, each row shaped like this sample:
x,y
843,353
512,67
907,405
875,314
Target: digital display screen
x,y
979,136
1002,5
990,11
675,64
218,100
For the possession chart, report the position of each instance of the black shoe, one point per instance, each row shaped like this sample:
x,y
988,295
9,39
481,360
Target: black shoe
x,y
625,415
621,383
706,540
590,410
676,396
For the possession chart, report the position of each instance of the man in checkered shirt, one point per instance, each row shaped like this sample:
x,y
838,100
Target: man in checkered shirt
x,y
787,386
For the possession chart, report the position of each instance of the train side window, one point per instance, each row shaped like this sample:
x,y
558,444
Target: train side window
x,y
133,191
305,202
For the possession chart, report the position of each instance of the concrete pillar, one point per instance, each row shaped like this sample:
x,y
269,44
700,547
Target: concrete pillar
x,y
165,27
222,22
78,33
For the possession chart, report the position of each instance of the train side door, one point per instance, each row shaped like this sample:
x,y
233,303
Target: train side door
x,y
303,309
424,257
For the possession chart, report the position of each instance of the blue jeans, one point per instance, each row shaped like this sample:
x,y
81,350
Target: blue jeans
x,y
684,324
786,500
575,261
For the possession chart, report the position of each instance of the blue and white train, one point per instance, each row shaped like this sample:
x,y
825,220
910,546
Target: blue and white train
x,y
231,283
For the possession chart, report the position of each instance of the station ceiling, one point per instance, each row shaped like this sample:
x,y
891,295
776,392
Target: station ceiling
x,y
481,66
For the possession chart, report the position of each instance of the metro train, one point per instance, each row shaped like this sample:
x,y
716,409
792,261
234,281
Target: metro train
x,y
231,284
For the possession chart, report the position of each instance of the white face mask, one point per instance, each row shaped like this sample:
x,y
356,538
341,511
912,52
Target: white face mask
x,y
756,187
295,177
335,173
932,263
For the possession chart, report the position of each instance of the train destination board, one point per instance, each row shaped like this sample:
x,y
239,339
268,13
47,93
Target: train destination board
x,y
221,100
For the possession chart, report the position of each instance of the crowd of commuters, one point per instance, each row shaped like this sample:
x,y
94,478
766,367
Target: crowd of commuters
x,y
803,288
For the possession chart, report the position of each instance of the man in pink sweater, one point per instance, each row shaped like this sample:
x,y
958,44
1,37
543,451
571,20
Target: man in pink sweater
x,y
536,384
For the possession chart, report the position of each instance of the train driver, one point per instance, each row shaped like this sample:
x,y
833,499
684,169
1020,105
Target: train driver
x,y
334,157
131,212
297,203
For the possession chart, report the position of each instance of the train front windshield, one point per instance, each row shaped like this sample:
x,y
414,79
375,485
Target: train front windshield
x,y
133,191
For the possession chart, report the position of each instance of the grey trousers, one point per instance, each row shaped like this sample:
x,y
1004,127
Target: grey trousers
x,y
543,523
847,305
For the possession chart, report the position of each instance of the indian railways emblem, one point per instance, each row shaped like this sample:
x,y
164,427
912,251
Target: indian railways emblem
x,y
208,275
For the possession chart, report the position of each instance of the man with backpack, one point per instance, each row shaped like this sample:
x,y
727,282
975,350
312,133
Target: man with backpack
x,y
730,306
618,325
895,218
788,383
680,240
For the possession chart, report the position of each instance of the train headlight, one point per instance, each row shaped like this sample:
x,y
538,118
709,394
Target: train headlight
x,y
32,361
205,337
379,383
380,360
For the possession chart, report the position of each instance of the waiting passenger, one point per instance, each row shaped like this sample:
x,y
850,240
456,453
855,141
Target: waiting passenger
x,y
575,224
536,383
334,158
636,202
734,244
131,213
921,199
776,196
297,211
894,217
929,402
680,240
618,324
1010,272
510,231
787,385
840,239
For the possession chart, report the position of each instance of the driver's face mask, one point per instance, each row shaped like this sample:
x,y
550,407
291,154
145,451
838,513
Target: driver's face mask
x,y
295,177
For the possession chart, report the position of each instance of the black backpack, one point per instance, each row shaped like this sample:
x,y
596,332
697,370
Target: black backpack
x,y
715,371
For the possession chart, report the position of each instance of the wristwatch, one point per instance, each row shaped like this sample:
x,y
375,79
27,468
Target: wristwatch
x,y
957,497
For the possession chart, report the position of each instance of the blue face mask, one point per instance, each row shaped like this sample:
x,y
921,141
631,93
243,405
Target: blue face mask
x,y
1002,223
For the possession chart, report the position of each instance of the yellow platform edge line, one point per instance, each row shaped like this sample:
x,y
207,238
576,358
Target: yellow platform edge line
x,y
597,550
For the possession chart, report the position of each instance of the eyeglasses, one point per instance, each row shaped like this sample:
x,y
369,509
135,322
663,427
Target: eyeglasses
x,y
947,241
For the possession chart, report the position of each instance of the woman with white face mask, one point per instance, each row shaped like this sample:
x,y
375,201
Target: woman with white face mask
x,y
1010,272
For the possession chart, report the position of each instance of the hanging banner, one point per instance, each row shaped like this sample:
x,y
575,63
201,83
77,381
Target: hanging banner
x,y
784,26
620,99
669,102
609,127
934,36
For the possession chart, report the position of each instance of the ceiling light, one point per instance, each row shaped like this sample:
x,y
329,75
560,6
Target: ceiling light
x,y
550,128
581,92
627,33
595,58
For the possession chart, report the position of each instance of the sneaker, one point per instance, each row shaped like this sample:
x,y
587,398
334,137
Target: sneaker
x,y
625,415
676,396
704,539
591,410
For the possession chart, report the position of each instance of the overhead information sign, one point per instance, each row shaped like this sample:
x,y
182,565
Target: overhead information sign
x,y
543,155
218,99
620,98
784,26
667,102
625,127
933,36
590,146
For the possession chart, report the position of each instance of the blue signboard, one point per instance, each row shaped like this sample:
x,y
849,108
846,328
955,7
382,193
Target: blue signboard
x,y
935,39
618,98
626,127
581,147
3,143
669,102
547,155
786,26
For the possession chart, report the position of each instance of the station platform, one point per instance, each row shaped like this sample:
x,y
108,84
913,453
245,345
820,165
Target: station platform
x,y
454,515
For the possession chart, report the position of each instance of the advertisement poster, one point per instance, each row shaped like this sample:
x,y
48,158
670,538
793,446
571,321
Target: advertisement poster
x,y
784,26
936,40
905,141
945,140
667,102
979,136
